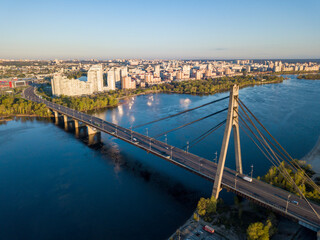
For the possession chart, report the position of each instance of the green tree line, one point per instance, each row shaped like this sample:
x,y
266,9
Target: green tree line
x,y
13,105
87,103
309,76
275,177
212,86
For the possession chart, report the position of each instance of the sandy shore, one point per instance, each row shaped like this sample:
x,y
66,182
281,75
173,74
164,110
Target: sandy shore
x,y
313,157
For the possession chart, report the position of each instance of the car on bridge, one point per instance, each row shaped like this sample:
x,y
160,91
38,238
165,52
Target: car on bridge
x,y
248,179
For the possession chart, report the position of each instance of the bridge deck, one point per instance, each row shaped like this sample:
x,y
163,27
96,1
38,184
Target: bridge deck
x,y
261,192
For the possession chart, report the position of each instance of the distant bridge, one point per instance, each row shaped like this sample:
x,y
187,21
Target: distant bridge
x,y
264,194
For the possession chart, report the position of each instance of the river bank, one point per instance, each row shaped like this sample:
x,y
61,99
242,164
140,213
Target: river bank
x,y
12,117
111,99
313,157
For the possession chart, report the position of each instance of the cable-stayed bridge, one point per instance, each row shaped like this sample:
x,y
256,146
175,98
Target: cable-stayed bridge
x,y
296,207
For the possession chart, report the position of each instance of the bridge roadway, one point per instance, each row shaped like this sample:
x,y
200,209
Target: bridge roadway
x,y
262,193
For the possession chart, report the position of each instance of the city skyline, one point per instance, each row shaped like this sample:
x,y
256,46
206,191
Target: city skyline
x,y
164,30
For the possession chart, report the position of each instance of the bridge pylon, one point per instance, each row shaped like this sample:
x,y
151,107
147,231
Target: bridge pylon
x,y
232,122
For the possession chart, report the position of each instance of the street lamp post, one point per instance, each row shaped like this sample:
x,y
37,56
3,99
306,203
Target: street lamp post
x,y
251,170
235,181
165,138
287,202
187,146
216,157
147,132
171,152
150,143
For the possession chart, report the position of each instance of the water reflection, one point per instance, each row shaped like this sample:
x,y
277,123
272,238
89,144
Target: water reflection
x,y
185,102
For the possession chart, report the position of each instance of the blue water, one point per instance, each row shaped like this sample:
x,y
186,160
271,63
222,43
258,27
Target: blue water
x,y
54,186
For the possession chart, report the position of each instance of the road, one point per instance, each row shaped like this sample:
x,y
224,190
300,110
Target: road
x,y
258,191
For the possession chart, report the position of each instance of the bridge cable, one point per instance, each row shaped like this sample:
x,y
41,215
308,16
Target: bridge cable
x,y
270,160
285,174
270,149
271,157
179,113
187,124
205,134
284,170
290,161
295,165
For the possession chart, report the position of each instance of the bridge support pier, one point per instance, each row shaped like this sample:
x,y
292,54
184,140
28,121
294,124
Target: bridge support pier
x,y
232,122
56,114
94,138
92,134
91,130
76,128
56,117
65,120
76,124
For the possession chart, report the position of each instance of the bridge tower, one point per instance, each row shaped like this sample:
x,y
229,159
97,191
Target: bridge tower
x,y
232,122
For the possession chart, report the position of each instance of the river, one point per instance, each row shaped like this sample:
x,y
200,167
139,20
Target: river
x,y
54,186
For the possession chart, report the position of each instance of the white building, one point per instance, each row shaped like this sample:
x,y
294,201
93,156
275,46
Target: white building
x,y
110,80
117,76
61,85
124,72
157,70
95,75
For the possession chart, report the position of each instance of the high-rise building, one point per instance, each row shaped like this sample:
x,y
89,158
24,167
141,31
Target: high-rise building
x,y
186,71
157,70
198,75
111,83
95,75
117,76
127,83
61,85
179,75
124,72
208,73
148,78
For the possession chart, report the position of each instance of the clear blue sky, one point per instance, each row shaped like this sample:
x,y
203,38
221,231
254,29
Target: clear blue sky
x,y
160,29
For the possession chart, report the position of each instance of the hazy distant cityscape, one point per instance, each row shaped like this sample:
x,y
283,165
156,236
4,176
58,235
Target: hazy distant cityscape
x,y
74,78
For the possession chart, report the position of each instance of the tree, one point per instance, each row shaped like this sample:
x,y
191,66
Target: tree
x,y
259,231
207,206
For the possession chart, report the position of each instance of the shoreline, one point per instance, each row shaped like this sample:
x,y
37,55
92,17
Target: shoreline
x,y
223,90
9,118
313,157
155,91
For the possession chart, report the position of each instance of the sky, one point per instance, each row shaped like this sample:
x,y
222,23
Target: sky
x,y
163,29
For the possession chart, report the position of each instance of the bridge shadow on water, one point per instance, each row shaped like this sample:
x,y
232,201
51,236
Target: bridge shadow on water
x,y
111,154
